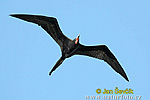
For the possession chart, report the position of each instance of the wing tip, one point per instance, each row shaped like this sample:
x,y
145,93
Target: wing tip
x,y
12,15
15,15
125,76
21,16
127,79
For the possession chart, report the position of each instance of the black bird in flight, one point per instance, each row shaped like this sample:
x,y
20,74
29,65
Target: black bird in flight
x,y
71,47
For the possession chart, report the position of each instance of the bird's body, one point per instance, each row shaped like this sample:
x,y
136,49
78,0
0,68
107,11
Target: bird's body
x,y
71,47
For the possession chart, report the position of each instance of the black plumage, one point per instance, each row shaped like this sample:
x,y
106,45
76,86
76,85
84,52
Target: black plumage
x,y
71,47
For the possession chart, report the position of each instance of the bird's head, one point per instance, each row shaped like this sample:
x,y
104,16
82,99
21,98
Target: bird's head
x,y
77,39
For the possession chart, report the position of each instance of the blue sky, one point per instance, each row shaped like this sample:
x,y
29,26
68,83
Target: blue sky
x,y
28,53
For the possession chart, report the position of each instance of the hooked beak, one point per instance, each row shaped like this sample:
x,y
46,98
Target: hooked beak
x,y
77,39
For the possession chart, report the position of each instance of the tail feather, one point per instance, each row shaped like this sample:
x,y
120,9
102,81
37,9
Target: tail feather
x,y
59,62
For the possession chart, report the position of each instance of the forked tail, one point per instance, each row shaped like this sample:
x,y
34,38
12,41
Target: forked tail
x,y
59,62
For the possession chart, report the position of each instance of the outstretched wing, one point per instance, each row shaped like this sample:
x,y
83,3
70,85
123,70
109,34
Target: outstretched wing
x,y
49,24
102,52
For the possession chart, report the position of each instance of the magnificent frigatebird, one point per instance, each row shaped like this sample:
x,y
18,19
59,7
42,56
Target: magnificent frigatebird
x,y
71,47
